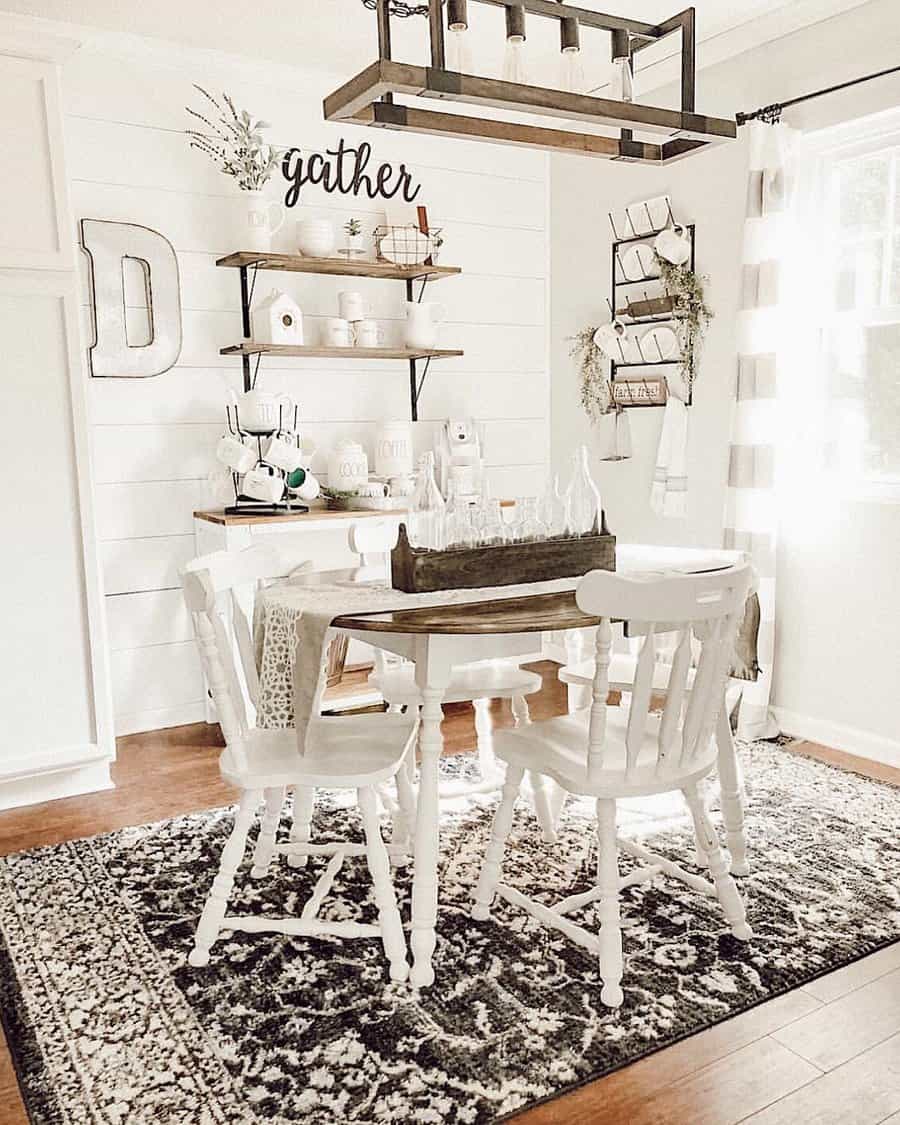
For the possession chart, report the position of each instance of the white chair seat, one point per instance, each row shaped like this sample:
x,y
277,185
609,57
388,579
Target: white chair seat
x,y
494,679
351,751
622,670
556,747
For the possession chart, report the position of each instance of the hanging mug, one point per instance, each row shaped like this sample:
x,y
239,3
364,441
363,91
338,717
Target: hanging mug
x,y
282,453
263,483
611,339
674,245
232,452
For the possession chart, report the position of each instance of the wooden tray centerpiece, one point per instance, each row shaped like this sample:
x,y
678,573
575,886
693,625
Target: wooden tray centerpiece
x,y
419,570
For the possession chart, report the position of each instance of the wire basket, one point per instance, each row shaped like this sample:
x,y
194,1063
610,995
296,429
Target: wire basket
x,y
407,245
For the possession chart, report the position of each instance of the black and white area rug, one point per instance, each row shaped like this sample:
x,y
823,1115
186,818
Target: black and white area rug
x,y
108,1024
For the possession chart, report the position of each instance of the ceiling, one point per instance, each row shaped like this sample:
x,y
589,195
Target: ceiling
x,y
339,35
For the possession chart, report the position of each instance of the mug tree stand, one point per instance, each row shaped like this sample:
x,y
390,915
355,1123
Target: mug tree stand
x,y
247,505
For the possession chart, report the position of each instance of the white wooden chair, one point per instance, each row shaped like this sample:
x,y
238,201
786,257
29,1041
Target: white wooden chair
x,y
355,752
614,752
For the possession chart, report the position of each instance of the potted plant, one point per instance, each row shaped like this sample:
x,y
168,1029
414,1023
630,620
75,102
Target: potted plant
x,y
354,244
233,140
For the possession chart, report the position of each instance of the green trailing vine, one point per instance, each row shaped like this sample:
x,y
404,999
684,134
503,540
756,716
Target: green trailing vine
x,y
596,399
690,311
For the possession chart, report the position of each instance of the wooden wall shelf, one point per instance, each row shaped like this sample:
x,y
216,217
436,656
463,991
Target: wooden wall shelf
x,y
247,261
310,352
338,267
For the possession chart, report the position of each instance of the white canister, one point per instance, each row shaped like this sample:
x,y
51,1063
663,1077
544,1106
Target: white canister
x,y
353,306
369,334
393,450
336,332
422,319
348,466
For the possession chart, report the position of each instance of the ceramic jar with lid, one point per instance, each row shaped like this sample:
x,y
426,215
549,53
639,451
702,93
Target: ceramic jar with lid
x,y
393,450
348,466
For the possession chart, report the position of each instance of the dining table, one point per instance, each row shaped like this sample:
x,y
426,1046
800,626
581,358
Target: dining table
x,y
438,632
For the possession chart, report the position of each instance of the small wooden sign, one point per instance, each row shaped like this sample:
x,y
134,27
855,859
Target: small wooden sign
x,y
652,391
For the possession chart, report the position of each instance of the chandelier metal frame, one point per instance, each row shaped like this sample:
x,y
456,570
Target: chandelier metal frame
x,y
370,97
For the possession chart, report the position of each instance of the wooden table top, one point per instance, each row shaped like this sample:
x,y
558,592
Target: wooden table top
x,y
537,613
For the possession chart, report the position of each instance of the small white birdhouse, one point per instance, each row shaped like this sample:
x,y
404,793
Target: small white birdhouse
x,y
277,319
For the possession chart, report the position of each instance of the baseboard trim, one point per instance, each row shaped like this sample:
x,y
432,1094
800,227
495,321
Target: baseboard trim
x,y
136,722
839,736
67,772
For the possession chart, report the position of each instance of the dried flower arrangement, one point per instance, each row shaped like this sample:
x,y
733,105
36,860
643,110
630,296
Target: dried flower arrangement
x,y
596,396
689,311
234,142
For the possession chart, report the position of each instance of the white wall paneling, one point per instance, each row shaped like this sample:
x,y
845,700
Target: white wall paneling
x,y
152,439
57,721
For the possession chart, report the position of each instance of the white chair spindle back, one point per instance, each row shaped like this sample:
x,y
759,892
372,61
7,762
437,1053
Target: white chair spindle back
x,y
706,606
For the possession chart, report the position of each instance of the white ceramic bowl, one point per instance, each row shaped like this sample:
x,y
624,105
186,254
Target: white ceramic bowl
x,y
315,239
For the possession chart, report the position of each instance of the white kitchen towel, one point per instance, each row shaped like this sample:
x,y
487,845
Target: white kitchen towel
x,y
668,493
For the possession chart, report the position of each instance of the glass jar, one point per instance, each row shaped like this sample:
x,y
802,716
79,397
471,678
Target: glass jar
x,y
427,508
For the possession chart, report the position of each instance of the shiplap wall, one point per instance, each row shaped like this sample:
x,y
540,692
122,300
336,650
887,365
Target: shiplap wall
x,y
152,439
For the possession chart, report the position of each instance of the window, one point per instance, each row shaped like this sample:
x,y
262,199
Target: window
x,y
853,233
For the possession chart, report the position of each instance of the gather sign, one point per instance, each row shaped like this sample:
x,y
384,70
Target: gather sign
x,y
343,170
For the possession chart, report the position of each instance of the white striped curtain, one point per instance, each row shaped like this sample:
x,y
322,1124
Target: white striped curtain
x,y
750,508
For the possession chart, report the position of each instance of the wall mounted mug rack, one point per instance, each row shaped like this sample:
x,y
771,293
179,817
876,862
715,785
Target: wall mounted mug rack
x,y
651,309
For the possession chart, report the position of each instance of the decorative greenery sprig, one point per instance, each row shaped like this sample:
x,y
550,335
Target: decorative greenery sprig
x,y
352,228
234,141
690,311
596,399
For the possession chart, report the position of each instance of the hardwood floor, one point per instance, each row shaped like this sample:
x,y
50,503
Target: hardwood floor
x,y
827,1053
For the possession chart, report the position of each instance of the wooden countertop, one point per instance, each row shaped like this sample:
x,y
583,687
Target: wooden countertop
x,y
314,515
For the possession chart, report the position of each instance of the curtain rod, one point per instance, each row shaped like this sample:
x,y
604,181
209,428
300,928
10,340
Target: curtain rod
x,y
771,113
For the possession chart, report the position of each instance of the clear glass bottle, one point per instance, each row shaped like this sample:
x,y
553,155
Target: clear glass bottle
x,y
552,509
427,508
532,526
583,506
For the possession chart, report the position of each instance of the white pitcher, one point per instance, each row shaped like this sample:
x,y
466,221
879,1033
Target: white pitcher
x,y
422,319
264,218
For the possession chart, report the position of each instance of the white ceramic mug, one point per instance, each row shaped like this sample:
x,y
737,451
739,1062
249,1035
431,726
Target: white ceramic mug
x,y
282,453
232,452
422,319
369,334
336,332
260,223
306,488
353,306
674,245
263,483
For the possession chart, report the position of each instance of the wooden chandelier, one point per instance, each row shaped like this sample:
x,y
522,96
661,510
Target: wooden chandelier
x,y
369,98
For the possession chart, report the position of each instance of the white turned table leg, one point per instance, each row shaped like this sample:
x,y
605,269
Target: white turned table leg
x,y
217,900
432,677
731,789
303,807
608,908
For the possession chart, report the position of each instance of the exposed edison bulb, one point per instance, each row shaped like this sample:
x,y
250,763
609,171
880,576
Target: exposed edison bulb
x,y
621,83
459,49
514,67
571,71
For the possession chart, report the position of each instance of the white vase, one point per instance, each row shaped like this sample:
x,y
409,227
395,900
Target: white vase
x,y
260,222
